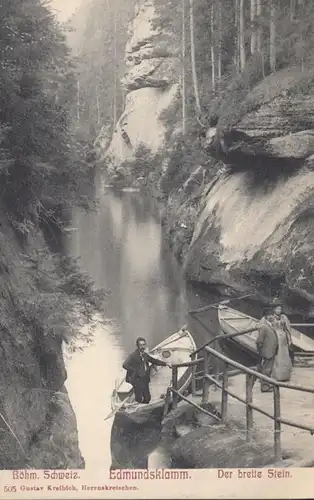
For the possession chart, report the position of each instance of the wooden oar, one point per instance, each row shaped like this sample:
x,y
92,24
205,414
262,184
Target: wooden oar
x,y
114,411
117,385
221,302
310,325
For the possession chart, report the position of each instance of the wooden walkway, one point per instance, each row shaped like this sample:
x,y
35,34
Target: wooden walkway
x,y
295,406
282,420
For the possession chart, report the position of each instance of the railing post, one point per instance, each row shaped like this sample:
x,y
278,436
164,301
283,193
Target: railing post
x,y
216,375
175,385
224,394
193,383
167,401
277,424
205,380
249,411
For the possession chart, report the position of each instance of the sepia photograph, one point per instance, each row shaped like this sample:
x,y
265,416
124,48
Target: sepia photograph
x,y
156,248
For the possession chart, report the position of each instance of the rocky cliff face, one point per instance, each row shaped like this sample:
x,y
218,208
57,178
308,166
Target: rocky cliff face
x,y
243,220
255,225
150,84
37,422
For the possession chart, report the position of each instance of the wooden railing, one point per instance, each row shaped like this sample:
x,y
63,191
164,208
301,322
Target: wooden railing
x,y
217,338
221,381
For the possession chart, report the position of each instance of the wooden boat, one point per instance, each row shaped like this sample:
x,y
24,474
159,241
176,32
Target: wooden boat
x,y
175,349
231,321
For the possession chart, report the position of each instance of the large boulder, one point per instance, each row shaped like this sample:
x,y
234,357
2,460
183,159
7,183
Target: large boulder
x,y
218,448
298,145
273,120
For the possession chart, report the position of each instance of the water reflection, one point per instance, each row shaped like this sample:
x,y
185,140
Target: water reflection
x,y
90,383
121,248
122,251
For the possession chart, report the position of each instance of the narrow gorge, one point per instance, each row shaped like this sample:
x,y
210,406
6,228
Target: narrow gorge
x,y
44,297
235,193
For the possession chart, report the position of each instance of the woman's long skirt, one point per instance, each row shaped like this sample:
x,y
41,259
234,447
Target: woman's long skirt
x,y
282,368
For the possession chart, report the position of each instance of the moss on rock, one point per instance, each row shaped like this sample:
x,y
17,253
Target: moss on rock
x,y
218,448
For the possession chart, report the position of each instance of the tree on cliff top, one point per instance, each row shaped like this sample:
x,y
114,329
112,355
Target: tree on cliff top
x,y
40,164
231,45
41,169
98,40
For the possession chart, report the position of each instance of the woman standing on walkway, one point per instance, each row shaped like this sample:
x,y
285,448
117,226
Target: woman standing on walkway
x,y
282,368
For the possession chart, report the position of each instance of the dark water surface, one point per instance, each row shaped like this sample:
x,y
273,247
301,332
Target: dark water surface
x,y
121,248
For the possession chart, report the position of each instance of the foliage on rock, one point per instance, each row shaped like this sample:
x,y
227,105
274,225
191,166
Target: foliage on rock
x,y
98,36
41,162
43,173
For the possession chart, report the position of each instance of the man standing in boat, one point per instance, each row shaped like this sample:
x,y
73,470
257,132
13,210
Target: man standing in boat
x,y
267,347
137,366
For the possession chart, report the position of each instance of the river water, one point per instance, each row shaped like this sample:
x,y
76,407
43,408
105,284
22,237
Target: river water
x,y
121,248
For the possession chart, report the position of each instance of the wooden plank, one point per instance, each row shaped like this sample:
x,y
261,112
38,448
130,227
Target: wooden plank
x,y
236,396
302,324
305,354
222,302
188,363
224,396
262,411
214,361
296,410
206,380
175,385
277,424
167,402
195,405
192,312
258,375
232,318
290,423
249,382
193,382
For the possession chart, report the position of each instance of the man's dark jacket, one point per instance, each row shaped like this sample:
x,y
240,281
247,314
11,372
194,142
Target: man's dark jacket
x,y
135,368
